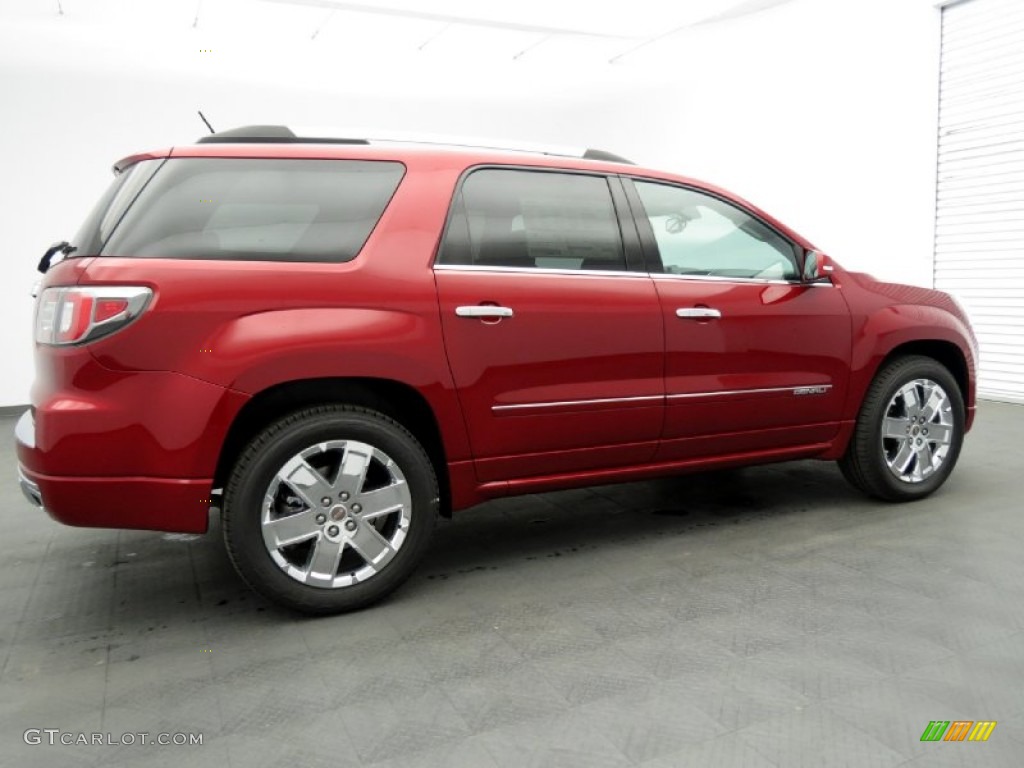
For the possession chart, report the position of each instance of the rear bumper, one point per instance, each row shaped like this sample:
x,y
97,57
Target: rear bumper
x,y
111,448
94,422
148,503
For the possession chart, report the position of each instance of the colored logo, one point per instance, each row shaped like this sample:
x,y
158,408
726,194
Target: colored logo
x,y
958,730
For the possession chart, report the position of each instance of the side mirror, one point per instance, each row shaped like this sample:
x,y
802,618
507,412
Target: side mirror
x,y
816,267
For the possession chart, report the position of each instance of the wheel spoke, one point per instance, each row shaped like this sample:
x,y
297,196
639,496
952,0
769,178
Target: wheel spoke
x,y
323,561
353,467
910,401
383,501
903,457
370,544
309,484
895,427
924,458
940,433
936,399
291,529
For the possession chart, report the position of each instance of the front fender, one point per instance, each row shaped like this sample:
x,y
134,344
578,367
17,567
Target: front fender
x,y
880,333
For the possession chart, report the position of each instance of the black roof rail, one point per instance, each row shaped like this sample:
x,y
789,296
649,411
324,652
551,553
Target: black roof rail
x,y
609,157
282,134
269,134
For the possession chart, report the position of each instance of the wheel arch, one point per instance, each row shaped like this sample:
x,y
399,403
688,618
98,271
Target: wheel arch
x,y
945,352
398,400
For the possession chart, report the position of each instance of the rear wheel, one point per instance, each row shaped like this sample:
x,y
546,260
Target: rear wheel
x,y
330,509
908,433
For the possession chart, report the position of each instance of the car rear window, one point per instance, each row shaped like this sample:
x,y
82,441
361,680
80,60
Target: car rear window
x,y
111,206
255,209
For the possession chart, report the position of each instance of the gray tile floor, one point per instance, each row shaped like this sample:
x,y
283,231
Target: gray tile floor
x,y
763,617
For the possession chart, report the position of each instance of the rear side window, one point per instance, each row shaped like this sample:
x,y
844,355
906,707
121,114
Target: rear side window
x,y
534,219
256,209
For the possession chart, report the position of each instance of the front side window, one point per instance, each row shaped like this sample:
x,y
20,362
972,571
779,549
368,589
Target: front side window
x,y
532,219
698,234
256,209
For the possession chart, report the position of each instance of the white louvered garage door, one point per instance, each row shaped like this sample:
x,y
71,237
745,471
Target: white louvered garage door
x,y
979,238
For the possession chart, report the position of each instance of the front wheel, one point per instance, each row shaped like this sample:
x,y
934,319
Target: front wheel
x,y
909,431
330,509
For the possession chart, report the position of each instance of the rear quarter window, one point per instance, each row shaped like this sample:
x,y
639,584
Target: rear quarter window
x,y
256,210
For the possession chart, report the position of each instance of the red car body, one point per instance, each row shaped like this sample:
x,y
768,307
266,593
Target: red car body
x,y
137,429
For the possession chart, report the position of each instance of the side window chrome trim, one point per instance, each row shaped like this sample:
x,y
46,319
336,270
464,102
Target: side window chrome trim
x,y
538,271
548,271
726,279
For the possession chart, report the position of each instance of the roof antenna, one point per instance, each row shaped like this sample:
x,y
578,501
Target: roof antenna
x,y
203,118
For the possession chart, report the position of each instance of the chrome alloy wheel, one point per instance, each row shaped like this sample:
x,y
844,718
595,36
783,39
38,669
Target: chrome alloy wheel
x,y
917,430
336,514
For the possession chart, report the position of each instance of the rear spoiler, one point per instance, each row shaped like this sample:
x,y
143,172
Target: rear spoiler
x,y
127,162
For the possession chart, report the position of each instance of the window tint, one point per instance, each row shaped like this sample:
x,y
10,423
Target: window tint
x,y
511,218
700,235
256,209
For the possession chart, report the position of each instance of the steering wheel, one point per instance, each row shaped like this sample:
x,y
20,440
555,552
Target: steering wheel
x,y
676,223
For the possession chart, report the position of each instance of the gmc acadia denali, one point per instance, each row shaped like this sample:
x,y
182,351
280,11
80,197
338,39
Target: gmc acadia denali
x,y
334,341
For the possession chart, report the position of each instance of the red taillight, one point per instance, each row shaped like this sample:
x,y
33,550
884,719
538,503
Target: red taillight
x,y
108,308
76,315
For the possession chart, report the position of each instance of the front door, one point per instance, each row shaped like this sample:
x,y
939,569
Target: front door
x,y
555,345
755,359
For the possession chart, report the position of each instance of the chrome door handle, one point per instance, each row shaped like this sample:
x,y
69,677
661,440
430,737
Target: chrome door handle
x,y
698,313
484,311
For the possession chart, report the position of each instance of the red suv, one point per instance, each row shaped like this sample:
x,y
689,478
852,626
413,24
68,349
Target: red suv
x,y
334,341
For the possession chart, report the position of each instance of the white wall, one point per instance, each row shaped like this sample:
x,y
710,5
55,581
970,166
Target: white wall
x,y
825,114
821,111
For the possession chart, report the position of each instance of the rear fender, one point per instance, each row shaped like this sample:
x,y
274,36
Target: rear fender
x,y
256,352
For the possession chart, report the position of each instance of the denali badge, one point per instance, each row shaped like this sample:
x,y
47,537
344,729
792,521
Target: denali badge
x,y
818,390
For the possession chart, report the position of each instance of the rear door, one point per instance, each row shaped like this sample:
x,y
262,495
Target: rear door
x,y
553,330
755,359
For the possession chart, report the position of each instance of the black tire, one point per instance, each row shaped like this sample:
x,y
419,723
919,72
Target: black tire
x,y
259,466
864,464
